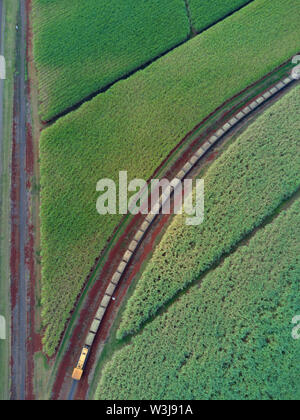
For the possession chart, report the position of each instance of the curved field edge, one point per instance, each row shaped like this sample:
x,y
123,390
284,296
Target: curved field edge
x,y
244,186
228,338
98,42
144,116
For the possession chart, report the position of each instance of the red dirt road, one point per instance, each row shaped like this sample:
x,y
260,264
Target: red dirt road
x,y
34,342
22,261
19,279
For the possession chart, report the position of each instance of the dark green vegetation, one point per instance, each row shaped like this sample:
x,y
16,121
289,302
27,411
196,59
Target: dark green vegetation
x,y
82,46
230,337
205,12
112,39
133,127
244,186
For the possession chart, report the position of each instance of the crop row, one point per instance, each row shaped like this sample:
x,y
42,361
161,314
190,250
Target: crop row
x,y
238,198
133,127
81,47
231,338
206,12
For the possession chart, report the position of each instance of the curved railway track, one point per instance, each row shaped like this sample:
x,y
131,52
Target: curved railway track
x,y
149,219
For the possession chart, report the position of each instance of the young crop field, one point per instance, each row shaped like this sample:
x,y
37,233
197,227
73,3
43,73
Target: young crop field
x,y
238,197
133,126
204,13
82,46
230,337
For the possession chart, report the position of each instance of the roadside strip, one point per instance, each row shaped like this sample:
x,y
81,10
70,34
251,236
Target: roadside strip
x,y
7,50
19,272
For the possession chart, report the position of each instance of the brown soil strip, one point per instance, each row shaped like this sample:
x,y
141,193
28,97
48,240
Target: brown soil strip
x,y
34,342
15,249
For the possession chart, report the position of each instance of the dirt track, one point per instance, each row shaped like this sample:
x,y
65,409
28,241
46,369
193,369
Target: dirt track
x,y
19,207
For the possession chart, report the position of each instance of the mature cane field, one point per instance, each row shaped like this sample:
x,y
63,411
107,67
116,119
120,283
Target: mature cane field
x,y
205,12
82,46
110,36
243,186
228,338
133,126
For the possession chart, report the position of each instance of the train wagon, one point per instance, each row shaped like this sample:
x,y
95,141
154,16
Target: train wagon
x,y
78,371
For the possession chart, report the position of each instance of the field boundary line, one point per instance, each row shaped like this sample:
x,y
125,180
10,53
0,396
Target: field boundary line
x,y
189,15
148,63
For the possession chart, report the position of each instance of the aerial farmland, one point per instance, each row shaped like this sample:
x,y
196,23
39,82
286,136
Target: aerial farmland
x,y
149,202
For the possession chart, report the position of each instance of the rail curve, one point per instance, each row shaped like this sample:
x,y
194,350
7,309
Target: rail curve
x,y
149,219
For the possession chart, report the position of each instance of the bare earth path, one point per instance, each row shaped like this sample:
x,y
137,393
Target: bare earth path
x,y
19,218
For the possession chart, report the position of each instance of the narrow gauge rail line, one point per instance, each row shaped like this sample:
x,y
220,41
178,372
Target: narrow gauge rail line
x,y
149,219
